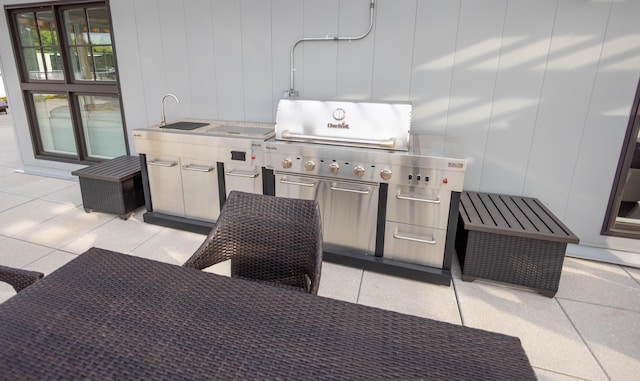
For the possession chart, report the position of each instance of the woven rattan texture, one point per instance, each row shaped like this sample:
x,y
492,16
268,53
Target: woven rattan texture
x,y
267,238
19,279
113,316
524,261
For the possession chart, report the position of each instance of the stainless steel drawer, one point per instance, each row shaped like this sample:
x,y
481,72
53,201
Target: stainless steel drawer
x,y
415,244
418,206
200,188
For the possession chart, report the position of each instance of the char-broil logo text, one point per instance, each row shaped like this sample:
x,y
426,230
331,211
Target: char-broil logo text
x,y
338,125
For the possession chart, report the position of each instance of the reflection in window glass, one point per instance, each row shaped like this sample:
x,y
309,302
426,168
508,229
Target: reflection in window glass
x,y
89,35
102,126
54,123
40,49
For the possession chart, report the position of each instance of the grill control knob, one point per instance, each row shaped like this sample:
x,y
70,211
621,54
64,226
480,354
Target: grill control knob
x,y
309,165
358,170
287,163
334,167
385,174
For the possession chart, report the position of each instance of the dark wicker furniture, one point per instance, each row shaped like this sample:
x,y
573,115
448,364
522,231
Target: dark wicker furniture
x,y
107,315
267,238
113,186
19,279
511,239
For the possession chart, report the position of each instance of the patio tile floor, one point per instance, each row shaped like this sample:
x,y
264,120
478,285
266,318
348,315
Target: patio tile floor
x,y
590,330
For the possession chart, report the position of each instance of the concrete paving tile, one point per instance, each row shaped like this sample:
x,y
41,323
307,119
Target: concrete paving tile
x,y
29,215
17,253
633,272
64,228
409,297
116,235
8,200
39,188
6,292
547,375
14,180
340,282
548,337
70,195
51,262
612,334
596,282
170,245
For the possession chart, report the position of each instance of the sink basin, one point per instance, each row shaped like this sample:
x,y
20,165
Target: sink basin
x,y
184,125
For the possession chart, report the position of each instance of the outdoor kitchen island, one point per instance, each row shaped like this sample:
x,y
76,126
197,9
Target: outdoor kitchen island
x,y
390,208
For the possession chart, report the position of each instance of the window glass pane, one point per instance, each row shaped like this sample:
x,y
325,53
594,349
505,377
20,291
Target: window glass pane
x,y
27,29
82,62
47,28
76,25
99,29
102,126
104,63
34,63
54,123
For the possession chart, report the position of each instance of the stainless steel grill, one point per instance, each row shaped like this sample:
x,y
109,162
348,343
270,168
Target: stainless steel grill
x,y
382,191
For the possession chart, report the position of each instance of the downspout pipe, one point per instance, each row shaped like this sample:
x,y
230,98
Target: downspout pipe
x,y
292,92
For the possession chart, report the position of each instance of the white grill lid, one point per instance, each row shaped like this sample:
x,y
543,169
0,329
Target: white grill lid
x,y
358,124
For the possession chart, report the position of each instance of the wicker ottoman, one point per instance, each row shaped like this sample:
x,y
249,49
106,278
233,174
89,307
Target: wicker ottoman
x,y
113,186
511,239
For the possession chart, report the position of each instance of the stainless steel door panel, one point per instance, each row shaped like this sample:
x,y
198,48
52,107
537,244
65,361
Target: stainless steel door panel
x,y
200,188
348,209
242,178
350,214
414,244
305,188
165,184
418,206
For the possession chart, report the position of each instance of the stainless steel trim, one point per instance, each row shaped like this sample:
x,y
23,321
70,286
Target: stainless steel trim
x,y
238,173
335,187
409,198
162,163
197,168
427,241
388,143
285,181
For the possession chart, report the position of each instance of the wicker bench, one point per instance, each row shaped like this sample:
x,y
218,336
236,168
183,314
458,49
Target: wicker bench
x,y
511,239
113,186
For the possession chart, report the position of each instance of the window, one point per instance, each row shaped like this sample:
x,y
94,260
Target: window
x,y
68,75
623,211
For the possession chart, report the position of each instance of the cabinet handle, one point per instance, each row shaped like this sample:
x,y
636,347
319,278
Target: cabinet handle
x,y
337,188
289,182
241,174
409,198
162,163
427,241
197,168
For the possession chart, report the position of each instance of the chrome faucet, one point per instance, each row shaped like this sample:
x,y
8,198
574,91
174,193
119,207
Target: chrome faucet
x,y
163,122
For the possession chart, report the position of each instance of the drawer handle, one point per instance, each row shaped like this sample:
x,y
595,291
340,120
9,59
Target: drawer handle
x,y
162,163
427,241
251,175
334,187
197,168
409,198
289,182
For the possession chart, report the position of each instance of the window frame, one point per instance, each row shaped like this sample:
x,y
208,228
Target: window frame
x,y
69,85
610,226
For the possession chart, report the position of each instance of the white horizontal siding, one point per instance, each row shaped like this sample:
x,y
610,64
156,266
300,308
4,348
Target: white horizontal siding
x,y
537,93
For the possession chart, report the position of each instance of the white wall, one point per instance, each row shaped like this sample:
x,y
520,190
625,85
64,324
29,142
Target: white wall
x,y
537,93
